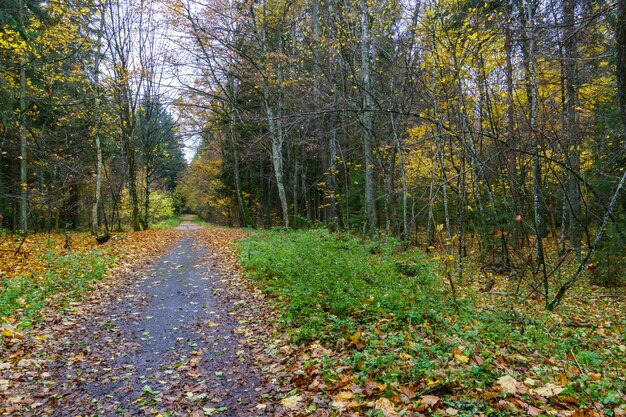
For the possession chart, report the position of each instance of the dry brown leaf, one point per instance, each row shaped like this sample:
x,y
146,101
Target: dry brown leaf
x,y
547,391
386,406
508,384
429,400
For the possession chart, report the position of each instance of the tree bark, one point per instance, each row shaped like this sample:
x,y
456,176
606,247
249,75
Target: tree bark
x,y
620,35
370,200
570,47
23,205
95,219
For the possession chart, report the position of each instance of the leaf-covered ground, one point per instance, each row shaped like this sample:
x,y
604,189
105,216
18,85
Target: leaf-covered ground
x,y
366,351
160,334
312,324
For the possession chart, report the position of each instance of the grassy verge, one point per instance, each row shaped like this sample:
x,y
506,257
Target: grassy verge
x,y
330,284
171,223
46,276
66,277
384,318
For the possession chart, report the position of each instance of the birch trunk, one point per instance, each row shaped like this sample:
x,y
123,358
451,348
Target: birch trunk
x,y
370,201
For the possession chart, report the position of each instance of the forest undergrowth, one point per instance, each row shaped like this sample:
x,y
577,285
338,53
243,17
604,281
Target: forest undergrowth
x,y
375,331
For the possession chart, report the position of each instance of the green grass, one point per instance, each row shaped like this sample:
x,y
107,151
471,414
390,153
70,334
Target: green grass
x,y
332,282
67,277
198,220
388,317
170,223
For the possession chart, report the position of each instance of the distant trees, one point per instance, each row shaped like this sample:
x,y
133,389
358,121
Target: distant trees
x,y
482,126
62,115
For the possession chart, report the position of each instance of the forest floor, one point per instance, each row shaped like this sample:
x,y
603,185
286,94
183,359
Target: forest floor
x,y
164,335
171,324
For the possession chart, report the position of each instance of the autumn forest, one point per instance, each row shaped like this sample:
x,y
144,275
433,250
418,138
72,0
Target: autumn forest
x,y
384,207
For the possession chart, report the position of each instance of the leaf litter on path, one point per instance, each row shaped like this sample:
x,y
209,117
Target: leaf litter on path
x,y
143,343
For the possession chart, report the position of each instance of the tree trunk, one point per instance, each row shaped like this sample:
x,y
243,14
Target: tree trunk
x,y
95,219
620,35
570,47
23,143
95,223
146,206
539,222
132,184
370,200
273,120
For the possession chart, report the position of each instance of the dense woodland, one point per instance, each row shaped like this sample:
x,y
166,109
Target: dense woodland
x,y
484,129
480,127
316,208
87,140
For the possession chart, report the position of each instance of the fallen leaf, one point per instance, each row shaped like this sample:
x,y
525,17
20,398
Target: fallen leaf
x,y
429,400
547,391
291,402
344,396
508,384
461,358
386,406
530,381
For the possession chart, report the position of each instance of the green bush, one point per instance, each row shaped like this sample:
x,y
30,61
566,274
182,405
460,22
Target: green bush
x,y
326,278
161,205
67,277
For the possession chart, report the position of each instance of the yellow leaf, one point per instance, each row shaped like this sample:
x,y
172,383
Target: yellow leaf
x,y
344,396
291,402
386,406
461,358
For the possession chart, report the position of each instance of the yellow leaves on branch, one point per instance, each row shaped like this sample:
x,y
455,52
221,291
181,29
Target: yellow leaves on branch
x,y
12,41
